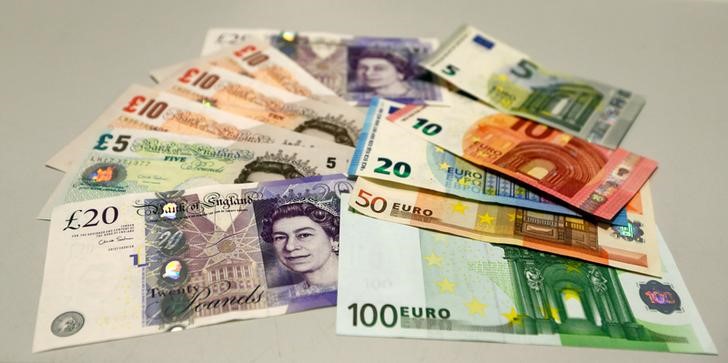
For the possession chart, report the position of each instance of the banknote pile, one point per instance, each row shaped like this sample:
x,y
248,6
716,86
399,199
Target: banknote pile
x,y
457,191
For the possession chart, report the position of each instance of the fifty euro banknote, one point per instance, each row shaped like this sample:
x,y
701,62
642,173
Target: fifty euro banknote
x,y
633,247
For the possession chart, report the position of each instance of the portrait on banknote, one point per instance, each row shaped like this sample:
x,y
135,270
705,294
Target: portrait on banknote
x,y
300,245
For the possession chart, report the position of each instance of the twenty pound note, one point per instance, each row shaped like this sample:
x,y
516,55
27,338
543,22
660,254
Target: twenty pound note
x,y
399,281
156,262
510,81
589,177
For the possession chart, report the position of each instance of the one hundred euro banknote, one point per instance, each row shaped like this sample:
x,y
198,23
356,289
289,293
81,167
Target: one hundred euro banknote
x,y
424,165
144,108
594,179
357,68
633,247
121,161
512,82
244,96
402,282
150,263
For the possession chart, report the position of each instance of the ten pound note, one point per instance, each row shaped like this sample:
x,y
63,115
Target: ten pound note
x,y
594,179
510,81
399,281
155,262
148,109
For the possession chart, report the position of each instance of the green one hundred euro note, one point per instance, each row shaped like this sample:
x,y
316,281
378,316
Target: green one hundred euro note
x,y
400,281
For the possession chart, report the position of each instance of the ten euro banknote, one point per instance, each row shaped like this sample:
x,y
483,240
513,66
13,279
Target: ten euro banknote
x,y
263,62
150,263
244,96
424,165
357,68
633,247
591,178
148,109
399,281
510,81
131,161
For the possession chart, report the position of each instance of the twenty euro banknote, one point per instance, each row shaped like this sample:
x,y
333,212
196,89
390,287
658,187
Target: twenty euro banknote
x,y
263,62
131,161
424,165
633,247
357,68
510,81
150,263
591,178
244,96
144,108
399,281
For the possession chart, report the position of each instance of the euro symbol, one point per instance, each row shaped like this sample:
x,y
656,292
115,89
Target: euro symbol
x,y
70,220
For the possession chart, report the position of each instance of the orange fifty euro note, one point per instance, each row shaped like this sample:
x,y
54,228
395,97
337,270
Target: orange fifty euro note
x,y
591,178
634,247
244,96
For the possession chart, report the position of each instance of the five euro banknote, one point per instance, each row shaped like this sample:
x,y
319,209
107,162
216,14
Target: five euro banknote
x,y
512,82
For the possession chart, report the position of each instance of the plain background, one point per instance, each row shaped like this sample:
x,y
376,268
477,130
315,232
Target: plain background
x,y
62,63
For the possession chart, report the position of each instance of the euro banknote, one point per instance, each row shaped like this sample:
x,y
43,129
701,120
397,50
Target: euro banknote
x,y
263,62
512,82
424,165
632,248
591,178
244,96
404,282
357,68
152,263
144,108
132,161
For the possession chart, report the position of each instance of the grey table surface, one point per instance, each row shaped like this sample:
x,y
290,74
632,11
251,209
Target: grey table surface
x,y
63,62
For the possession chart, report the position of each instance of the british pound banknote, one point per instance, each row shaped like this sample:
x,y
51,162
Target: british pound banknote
x,y
244,96
151,263
259,60
144,108
357,68
589,177
122,161
421,164
512,82
404,282
633,247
